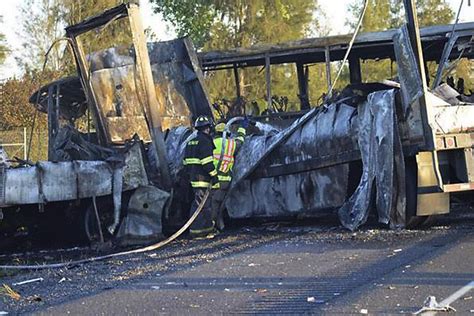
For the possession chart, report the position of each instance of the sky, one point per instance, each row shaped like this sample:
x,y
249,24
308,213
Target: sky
x,y
336,11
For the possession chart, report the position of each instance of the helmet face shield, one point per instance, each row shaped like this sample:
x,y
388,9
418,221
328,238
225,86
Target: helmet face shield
x,y
203,121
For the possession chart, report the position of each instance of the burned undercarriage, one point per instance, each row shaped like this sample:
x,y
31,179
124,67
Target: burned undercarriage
x,y
375,146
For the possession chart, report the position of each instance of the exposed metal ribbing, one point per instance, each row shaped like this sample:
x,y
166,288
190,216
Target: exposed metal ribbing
x,y
2,183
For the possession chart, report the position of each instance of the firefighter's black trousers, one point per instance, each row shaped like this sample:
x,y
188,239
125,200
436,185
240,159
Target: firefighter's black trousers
x,y
203,224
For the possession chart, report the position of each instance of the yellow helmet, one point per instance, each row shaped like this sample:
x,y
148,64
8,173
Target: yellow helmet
x,y
220,128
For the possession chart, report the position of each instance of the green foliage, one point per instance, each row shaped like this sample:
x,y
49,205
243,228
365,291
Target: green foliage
x,y
43,21
190,18
225,24
3,45
17,112
382,15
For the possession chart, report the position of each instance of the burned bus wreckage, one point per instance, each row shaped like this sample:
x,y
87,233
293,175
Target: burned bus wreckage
x,y
395,146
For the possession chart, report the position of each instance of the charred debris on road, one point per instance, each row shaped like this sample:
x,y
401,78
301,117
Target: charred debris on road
x,y
393,146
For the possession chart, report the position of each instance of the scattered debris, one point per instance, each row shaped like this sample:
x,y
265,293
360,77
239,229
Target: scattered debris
x,y
430,304
34,298
28,281
8,291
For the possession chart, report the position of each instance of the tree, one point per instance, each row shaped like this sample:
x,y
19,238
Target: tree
x,y
3,45
228,24
41,25
382,15
43,21
16,111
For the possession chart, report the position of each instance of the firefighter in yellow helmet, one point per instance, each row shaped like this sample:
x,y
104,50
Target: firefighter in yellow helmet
x,y
199,165
224,156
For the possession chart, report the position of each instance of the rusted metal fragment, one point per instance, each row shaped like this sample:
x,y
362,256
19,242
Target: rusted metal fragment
x,y
176,75
120,103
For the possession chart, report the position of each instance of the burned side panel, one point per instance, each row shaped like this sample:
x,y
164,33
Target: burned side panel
x,y
177,72
304,173
70,180
176,80
120,103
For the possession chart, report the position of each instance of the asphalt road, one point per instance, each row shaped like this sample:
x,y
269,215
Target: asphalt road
x,y
276,269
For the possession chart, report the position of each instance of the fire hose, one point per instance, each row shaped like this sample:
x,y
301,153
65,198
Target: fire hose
x,y
118,254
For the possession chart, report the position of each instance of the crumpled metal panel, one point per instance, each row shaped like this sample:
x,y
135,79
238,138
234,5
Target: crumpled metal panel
x,y
306,192
322,135
175,143
70,180
312,156
411,88
144,214
177,78
410,81
93,179
383,165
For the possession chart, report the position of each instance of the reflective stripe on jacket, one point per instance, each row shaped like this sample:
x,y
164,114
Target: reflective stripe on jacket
x,y
199,162
228,155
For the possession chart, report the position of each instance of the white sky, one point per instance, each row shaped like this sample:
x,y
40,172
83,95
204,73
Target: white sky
x,y
336,11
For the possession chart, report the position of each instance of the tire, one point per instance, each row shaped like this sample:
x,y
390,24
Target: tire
x,y
412,221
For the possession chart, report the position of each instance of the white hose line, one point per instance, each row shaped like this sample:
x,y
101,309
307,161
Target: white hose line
x,y
123,253
356,31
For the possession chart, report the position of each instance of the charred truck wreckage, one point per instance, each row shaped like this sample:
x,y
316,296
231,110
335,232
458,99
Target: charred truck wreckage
x,y
396,147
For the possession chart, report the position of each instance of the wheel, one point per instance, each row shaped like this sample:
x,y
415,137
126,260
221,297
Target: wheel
x,y
413,221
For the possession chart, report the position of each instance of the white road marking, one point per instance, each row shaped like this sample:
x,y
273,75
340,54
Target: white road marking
x,y
453,297
456,295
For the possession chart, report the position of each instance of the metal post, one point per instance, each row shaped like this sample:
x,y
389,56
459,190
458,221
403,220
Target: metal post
x,y
354,70
328,67
302,86
237,81
25,145
414,32
268,82
154,101
53,119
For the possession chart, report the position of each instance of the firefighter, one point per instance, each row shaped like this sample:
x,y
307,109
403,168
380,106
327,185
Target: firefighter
x,y
199,165
224,166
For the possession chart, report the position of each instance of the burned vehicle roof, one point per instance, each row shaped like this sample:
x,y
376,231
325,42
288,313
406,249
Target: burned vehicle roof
x,y
366,46
68,92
